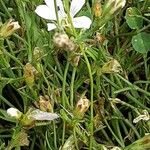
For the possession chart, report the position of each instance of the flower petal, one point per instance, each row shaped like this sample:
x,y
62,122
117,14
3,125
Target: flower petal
x,y
45,12
61,11
82,22
51,26
13,112
50,4
41,115
76,5
61,8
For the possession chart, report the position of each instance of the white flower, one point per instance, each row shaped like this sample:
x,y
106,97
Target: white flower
x,y
15,25
48,12
13,112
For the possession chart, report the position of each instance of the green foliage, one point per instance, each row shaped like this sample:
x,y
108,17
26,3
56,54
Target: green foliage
x,y
141,42
96,80
141,144
133,18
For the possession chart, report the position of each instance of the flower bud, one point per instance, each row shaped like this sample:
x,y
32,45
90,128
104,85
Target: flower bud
x,y
18,139
97,9
100,38
45,104
112,66
29,74
81,107
69,144
37,54
9,28
74,59
114,5
56,95
27,122
13,112
111,8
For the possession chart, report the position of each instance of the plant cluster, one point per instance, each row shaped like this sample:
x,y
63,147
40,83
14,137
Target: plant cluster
x,y
74,74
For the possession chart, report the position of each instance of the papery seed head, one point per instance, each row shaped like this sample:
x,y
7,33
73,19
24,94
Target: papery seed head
x,y
37,54
45,104
100,38
74,60
81,107
20,139
97,9
29,74
111,66
60,40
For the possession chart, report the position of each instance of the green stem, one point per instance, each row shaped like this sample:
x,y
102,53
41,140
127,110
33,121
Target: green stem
x,y
46,80
128,94
118,140
144,18
91,98
116,32
5,9
6,101
72,86
132,127
145,4
146,70
10,48
13,58
75,138
70,19
132,33
58,65
63,132
64,85
134,86
56,12
55,135
55,72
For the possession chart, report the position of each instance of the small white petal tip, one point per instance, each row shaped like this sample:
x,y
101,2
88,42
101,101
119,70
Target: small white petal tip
x,y
13,112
